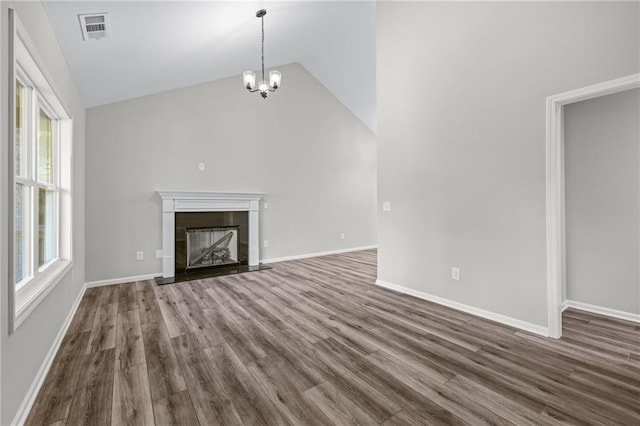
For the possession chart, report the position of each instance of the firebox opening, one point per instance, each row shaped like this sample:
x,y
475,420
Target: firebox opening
x,y
216,246
203,238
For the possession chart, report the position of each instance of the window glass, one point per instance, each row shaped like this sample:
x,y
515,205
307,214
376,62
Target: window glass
x,y
46,226
20,136
20,232
45,149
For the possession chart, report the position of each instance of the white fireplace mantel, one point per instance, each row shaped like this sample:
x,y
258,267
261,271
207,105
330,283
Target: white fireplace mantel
x,y
190,201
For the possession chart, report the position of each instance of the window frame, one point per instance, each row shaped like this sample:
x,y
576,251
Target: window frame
x,y
38,281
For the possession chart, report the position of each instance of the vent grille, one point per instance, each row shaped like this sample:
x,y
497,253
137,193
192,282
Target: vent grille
x,y
94,25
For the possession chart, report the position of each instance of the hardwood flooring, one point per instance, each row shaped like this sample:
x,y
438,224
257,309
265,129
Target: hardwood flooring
x,y
315,342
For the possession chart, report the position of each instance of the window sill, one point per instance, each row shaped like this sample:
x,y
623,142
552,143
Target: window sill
x,y
29,296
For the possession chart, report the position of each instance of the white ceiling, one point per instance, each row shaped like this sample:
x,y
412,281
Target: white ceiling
x,y
156,46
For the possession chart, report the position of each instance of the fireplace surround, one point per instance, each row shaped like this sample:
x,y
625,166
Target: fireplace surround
x,y
226,207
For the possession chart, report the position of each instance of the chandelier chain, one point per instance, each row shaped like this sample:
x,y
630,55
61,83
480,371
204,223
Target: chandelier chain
x,y
262,19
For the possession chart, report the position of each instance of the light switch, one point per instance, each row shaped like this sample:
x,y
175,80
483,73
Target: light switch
x,y
455,273
201,167
386,206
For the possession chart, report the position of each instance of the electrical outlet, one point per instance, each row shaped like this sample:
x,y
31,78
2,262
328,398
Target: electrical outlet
x,y
386,206
158,253
139,255
201,167
266,205
455,274
265,244
342,236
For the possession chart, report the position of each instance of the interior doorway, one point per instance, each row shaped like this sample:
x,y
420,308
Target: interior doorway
x,y
556,232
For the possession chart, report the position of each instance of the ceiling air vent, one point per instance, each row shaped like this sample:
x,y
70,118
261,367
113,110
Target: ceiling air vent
x,y
94,25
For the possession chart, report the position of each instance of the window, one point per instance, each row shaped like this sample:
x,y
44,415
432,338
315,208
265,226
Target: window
x,y
41,152
36,183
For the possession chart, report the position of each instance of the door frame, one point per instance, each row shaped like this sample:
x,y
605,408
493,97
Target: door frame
x,y
556,234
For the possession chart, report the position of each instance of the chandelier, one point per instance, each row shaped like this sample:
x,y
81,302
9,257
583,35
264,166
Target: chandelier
x,y
249,77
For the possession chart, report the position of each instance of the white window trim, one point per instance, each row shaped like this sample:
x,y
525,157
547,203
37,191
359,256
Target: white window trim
x,y
29,296
25,64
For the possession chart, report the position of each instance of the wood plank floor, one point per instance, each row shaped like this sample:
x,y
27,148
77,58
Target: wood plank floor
x,y
314,341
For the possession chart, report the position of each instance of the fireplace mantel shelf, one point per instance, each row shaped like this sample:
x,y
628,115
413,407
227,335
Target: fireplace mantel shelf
x,y
196,201
203,195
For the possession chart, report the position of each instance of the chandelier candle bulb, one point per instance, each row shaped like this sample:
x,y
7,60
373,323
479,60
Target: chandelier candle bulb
x,y
249,78
274,79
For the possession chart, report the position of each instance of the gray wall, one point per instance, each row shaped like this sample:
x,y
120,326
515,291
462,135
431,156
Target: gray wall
x,y
461,138
23,352
602,201
312,158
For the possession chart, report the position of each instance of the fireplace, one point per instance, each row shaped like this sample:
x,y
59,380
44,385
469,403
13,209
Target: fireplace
x,y
207,234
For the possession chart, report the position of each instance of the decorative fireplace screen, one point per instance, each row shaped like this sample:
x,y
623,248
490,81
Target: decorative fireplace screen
x,y
212,246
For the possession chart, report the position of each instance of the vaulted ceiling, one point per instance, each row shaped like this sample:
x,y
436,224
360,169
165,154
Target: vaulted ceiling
x,y
156,46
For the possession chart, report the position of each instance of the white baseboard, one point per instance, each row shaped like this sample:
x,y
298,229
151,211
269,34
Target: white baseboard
x,y
513,322
317,254
123,280
27,403
601,310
